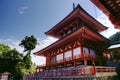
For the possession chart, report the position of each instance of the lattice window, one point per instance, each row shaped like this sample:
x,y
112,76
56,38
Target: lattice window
x,y
59,57
68,54
92,53
86,51
52,60
76,51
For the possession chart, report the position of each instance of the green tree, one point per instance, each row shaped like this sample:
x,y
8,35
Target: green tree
x,y
4,48
115,37
29,43
27,60
8,62
15,63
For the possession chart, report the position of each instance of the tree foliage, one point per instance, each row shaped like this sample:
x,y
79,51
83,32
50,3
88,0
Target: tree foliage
x,y
29,43
115,37
27,61
9,60
15,63
4,48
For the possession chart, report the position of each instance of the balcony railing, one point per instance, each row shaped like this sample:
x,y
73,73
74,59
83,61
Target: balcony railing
x,y
77,71
79,56
42,65
100,69
59,61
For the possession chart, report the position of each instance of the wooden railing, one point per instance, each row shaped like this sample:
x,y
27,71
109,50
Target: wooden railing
x,y
77,56
59,61
68,59
78,71
100,69
41,65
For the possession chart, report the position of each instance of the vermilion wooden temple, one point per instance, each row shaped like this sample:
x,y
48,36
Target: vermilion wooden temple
x,y
78,52
111,8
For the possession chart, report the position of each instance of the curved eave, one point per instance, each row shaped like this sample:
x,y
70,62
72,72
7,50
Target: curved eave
x,y
111,8
101,6
78,12
93,36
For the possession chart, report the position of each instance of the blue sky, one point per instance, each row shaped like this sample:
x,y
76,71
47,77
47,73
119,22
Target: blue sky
x,y
20,18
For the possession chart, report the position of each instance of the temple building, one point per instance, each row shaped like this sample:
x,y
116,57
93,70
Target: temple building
x,y
111,8
78,53
112,54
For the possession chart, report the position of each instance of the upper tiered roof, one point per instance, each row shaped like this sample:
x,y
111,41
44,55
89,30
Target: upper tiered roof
x,y
76,17
111,8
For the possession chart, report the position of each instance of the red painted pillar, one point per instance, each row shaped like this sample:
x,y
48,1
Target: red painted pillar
x,y
63,57
106,69
93,61
64,65
85,60
100,69
55,59
81,51
74,63
72,55
94,69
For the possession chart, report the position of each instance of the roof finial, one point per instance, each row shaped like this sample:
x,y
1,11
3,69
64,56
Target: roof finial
x,y
73,6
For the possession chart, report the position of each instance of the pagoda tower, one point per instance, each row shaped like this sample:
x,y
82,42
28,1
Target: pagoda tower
x,y
77,54
78,37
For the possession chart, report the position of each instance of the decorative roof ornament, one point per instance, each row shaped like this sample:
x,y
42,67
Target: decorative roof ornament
x,y
73,6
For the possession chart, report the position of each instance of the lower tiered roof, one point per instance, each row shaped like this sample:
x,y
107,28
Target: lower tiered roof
x,y
82,32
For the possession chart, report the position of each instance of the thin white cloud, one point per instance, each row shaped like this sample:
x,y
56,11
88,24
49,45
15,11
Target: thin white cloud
x,y
23,9
43,43
12,43
102,18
